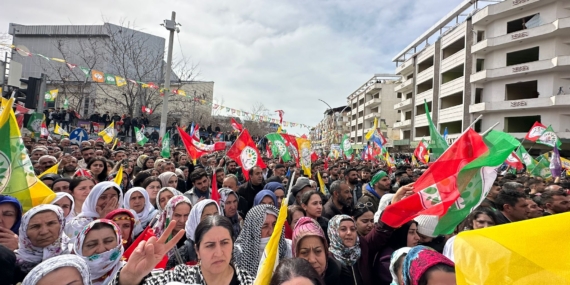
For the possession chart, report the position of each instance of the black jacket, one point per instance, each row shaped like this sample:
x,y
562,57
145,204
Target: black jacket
x,y
248,192
330,210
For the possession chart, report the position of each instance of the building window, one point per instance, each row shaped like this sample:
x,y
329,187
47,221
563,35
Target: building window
x,y
520,124
478,95
453,48
425,86
425,64
452,74
480,64
519,24
523,56
420,109
521,90
480,36
451,100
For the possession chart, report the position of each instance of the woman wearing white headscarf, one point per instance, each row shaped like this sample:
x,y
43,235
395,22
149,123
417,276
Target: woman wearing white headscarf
x,y
100,245
162,197
65,269
168,179
41,236
58,199
199,212
147,212
104,197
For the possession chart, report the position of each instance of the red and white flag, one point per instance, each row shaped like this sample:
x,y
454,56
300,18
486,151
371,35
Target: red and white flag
x,y
281,113
514,161
245,153
146,109
421,151
237,126
535,132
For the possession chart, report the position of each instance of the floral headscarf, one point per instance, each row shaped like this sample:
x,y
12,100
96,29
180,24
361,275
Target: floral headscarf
x,y
131,217
172,190
196,216
54,198
306,227
148,212
102,266
166,215
395,256
66,260
247,246
89,208
11,200
346,255
419,260
28,255
224,194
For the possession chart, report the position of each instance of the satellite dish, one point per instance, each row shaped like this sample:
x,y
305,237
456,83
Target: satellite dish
x,y
23,50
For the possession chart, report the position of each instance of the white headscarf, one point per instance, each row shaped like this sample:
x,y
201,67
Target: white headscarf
x,y
103,264
55,197
172,190
196,216
148,212
28,255
395,255
165,176
89,208
66,260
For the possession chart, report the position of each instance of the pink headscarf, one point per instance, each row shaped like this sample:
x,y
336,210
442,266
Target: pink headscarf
x,y
308,227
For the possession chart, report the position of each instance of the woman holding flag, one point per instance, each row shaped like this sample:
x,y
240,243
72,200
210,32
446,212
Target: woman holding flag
x,y
214,243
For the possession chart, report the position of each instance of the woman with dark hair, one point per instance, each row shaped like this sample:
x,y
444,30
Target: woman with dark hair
x,y
363,215
294,213
148,163
152,185
214,242
49,178
423,265
481,217
312,203
80,187
97,166
138,180
295,271
405,236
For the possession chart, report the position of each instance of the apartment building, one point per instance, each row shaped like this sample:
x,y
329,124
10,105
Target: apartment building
x,y
508,61
331,128
374,99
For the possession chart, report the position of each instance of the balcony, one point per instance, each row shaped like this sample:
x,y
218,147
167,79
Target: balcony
x,y
353,134
560,27
371,116
360,108
452,87
373,102
404,86
360,120
372,88
505,9
456,59
405,67
451,114
402,142
426,95
425,75
421,120
516,105
403,105
548,65
403,124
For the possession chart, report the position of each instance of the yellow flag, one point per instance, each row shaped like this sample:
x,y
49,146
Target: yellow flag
x,y
51,170
279,130
305,155
565,163
119,177
120,81
58,59
268,260
321,183
371,132
109,133
59,131
414,161
533,251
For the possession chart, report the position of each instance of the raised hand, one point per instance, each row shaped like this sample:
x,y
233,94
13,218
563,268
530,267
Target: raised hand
x,y
108,207
147,255
403,192
8,239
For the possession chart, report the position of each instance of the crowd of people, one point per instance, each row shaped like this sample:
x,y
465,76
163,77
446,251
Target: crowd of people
x,y
160,224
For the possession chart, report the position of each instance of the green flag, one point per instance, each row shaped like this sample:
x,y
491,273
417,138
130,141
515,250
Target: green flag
x,y
110,79
165,152
141,138
66,103
549,138
346,146
35,123
437,144
278,146
526,159
475,180
542,168
85,70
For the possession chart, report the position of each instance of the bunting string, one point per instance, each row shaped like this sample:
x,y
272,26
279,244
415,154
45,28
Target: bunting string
x,y
119,81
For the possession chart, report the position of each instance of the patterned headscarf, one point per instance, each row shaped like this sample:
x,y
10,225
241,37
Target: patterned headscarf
x,y
166,215
419,260
48,266
54,198
196,216
131,217
346,255
102,266
247,246
11,200
306,227
262,194
224,194
172,190
148,212
89,208
395,256
28,255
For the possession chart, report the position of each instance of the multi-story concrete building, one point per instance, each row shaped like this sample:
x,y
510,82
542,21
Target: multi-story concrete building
x,y
374,99
509,61
331,128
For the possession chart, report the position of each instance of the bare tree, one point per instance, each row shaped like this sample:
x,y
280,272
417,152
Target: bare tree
x,y
255,125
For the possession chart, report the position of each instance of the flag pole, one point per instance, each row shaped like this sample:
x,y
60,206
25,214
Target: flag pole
x,y
488,130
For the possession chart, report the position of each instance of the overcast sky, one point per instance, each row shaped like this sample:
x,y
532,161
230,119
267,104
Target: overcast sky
x,y
286,54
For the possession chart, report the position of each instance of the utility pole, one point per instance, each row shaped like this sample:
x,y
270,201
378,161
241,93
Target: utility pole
x,y
171,26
